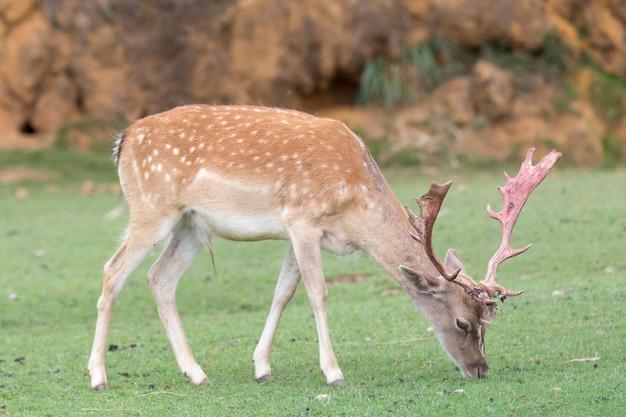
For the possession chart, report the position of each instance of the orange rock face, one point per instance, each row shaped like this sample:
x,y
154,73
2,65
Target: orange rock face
x,y
64,61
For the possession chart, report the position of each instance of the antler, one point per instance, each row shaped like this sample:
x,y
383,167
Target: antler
x,y
515,193
429,205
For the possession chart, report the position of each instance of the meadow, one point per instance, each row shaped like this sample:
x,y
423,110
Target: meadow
x,y
557,350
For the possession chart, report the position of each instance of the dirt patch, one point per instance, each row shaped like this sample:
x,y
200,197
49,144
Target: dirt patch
x,y
351,278
14,175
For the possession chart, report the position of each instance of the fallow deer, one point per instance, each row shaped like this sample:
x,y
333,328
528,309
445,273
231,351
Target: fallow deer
x,y
251,173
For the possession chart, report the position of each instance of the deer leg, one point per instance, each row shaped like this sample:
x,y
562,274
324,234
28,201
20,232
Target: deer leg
x,y
284,291
309,257
163,278
136,247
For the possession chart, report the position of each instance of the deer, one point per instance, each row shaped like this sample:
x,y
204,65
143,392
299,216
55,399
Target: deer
x,y
248,173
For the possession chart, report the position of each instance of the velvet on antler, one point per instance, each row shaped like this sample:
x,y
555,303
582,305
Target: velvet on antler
x,y
430,204
515,193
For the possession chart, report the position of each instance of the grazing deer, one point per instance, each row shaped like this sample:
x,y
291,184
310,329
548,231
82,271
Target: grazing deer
x,y
251,173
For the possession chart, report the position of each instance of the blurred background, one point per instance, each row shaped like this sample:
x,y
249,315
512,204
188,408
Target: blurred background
x,y
422,81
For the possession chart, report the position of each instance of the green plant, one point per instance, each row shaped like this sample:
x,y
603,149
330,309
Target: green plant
x,y
397,81
408,158
555,55
546,142
563,98
612,152
479,123
551,61
96,132
607,94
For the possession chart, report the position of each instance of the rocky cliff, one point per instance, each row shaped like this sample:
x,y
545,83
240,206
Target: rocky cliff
x,y
69,64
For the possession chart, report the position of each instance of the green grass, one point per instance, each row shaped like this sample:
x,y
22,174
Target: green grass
x,y
53,245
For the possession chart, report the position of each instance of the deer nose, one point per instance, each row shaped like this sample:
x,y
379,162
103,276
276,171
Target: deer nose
x,y
482,371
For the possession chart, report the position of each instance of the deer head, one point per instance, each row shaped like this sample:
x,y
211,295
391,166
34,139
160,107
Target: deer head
x,y
461,322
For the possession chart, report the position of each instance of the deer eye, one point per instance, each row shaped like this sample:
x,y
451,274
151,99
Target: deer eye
x,y
463,326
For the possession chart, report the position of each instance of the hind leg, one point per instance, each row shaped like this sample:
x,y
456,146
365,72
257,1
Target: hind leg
x,y
133,251
163,278
285,288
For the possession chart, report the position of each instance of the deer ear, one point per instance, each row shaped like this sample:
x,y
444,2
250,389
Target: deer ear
x,y
454,261
421,282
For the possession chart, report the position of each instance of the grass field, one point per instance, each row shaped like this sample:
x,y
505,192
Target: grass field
x,y
557,350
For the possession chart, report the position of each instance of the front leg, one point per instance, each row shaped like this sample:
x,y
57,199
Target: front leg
x,y
308,254
285,289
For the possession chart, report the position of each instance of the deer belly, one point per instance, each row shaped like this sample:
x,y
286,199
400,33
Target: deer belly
x,y
248,227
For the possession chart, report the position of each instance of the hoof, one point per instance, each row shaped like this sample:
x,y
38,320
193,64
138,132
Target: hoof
x,y
100,387
339,383
266,378
206,382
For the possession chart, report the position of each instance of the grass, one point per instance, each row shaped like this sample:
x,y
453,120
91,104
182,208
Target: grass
x,y
54,242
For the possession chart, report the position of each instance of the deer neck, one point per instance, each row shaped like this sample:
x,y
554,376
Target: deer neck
x,y
388,241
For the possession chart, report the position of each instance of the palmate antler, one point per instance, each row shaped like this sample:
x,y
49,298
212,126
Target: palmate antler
x,y
515,193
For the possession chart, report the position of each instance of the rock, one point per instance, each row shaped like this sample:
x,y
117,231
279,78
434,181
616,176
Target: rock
x,y
472,23
492,91
597,28
15,11
577,132
454,100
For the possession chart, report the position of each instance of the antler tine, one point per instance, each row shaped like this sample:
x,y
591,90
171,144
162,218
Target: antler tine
x,y
429,205
515,193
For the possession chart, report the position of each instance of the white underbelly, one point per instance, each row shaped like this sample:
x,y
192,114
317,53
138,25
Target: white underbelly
x,y
248,227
